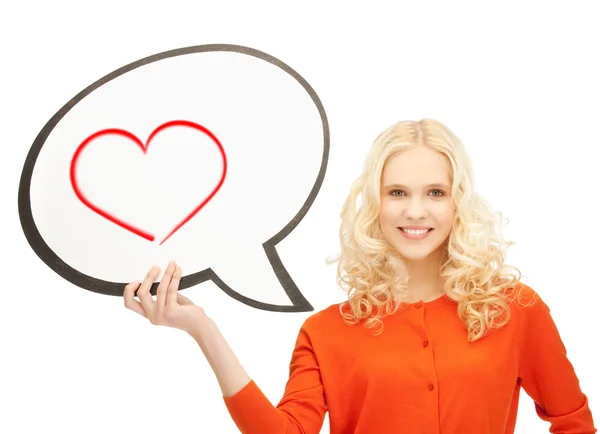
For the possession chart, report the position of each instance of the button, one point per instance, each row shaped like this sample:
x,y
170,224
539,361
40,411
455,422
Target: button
x,y
431,387
425,344
419,304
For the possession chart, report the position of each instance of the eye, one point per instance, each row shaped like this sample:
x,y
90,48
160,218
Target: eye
x,y
438,193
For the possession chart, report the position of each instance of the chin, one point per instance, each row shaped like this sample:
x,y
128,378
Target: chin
x,y
413,255
415,252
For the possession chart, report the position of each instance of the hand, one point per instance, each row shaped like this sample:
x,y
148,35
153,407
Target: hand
x,y
171,308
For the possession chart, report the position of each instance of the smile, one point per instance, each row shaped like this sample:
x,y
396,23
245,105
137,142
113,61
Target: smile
x,y
413,234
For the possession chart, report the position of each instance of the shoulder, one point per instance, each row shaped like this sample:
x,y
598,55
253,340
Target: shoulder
x,y
522,296
526,304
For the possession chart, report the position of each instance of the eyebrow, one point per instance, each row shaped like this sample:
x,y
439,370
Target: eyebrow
x,y
435,185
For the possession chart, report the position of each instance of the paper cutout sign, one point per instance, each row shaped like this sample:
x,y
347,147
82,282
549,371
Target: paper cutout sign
x,y
209,155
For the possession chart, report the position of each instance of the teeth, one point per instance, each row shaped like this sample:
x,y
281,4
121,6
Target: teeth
x,y
415,232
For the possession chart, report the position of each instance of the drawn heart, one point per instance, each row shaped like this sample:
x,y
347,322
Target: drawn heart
x,y
144,147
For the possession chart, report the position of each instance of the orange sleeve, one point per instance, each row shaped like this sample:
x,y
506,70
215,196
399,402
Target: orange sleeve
x,y
546,373
302,408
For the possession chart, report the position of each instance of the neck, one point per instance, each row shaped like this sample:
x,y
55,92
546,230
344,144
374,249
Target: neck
x,y
425,282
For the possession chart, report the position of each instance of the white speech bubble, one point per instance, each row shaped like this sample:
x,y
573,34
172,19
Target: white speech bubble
x,y
150,143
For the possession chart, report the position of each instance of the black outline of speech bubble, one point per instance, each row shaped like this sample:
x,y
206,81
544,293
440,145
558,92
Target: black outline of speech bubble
x,y
39,246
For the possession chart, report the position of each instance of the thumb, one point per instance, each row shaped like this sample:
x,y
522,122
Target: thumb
x,y
183,300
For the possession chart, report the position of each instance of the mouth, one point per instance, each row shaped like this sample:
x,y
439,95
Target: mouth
x,y
415,234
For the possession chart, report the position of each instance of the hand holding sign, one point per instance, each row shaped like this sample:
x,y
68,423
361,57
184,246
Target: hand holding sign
x,y
171,308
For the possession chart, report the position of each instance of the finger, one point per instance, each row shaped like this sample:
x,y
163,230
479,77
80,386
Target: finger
x,y
143,292
183,300
173,288
130,302
161,291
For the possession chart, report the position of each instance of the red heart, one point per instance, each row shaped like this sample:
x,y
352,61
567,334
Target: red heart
x,y
144,148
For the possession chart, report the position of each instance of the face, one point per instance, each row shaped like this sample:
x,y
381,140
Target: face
x,y
416,193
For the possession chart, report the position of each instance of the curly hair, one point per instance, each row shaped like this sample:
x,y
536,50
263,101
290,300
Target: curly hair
x,y
474,271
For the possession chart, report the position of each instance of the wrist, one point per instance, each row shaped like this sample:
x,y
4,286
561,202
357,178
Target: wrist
x,y
202,327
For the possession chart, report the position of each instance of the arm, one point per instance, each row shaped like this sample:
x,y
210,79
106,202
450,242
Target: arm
x,y
302,408
230,374
547,375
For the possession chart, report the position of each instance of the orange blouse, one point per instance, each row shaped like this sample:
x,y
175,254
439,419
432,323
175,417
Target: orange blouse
x,y
421,376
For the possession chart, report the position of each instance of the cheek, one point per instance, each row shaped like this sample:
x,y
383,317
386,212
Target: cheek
x,y
446,216
386,214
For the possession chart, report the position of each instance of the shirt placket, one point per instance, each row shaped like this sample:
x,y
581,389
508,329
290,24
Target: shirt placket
x,y
429,370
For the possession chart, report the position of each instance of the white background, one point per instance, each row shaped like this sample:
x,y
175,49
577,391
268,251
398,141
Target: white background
x,y
517,82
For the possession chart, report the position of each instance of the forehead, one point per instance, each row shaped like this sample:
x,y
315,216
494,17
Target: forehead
x,y
417,166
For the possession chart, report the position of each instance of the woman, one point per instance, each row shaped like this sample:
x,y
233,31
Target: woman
x,y
438,333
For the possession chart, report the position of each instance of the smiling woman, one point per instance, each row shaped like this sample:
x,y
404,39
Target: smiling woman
x,y
418,177
424,254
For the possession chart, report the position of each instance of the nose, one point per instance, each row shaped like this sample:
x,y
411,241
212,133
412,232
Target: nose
x,y
415,209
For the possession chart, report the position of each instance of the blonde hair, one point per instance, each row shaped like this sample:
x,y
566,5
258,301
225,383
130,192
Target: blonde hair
x,y
374,275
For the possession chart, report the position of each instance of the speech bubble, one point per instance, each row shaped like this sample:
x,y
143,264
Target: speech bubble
x,y
210,155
